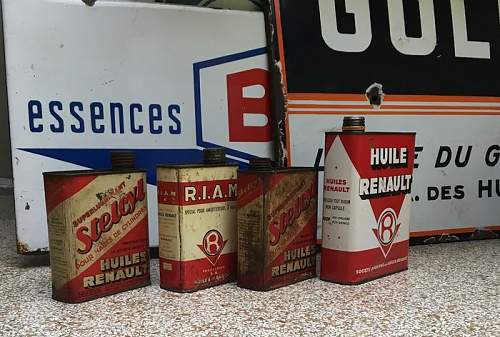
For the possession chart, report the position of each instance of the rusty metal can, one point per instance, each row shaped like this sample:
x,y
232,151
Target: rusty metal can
x,y
366,203
197,223
277,221
98,232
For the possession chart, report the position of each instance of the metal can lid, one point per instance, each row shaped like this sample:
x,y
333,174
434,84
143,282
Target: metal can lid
x,y
121,160
260,163
214,155
353,124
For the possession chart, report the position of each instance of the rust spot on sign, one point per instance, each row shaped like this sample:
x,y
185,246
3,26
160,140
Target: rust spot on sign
x,y
22,248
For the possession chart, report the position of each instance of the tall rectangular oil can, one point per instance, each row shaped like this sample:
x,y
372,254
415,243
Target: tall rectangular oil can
x,y
366,203
197,223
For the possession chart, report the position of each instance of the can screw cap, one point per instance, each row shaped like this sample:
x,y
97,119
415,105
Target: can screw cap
x,y
353,124
260,163
214,155
121,160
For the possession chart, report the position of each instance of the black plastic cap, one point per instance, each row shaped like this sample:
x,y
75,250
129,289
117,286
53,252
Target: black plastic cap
x,y
261,164
121,160
353,124
215,155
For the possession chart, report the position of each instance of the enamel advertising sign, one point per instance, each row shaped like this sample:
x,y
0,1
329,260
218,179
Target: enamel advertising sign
x,y
164,81
426,66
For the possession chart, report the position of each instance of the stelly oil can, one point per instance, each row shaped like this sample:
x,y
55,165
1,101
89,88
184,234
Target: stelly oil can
x,y
277,221
197,223
366,203
98,231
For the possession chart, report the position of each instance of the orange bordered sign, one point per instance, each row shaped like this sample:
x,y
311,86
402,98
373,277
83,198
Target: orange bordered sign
x,y
428,67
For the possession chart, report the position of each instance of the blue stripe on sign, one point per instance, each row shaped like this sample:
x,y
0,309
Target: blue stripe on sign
x,y
148,159
197,67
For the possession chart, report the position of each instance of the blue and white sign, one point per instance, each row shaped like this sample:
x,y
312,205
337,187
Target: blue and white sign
x,y
164,81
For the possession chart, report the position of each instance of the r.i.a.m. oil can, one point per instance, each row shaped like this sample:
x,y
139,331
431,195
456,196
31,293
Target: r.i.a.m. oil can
x,y
197,223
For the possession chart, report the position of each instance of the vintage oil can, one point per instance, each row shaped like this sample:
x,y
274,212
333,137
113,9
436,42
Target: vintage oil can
x,y
277,221
366,203
197,223
98,230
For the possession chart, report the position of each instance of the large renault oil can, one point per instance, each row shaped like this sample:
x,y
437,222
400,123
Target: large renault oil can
x,y
366,203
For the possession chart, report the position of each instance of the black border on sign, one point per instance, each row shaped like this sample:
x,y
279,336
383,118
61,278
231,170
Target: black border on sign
x,y
281,134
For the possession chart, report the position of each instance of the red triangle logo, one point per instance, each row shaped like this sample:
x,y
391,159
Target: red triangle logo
x,y
358,149
328,143
212,245
387,230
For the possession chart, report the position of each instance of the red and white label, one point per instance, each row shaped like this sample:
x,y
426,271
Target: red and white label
x,y
366,205
98,234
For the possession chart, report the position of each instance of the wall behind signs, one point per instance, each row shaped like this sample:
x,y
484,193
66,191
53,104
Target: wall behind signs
x,y
248,5
161,80
5,167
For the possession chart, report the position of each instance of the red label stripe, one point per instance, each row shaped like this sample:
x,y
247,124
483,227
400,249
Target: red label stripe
x,y
61,188
355,267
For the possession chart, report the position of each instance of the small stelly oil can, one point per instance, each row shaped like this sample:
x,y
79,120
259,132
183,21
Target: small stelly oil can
x,y
197,223
98,230
277,221
366,203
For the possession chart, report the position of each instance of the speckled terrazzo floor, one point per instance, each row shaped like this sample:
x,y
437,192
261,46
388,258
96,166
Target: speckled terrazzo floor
x,y
450,290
